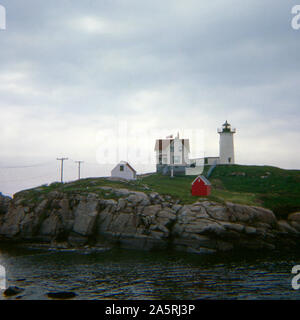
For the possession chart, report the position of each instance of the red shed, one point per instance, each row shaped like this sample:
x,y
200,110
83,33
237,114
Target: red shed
x,y
201,187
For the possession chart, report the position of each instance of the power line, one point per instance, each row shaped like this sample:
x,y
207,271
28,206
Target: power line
x,y
29,166
25,179
62,167
87,162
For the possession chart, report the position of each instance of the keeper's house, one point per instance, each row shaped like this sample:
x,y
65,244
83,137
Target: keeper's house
x,y
172,152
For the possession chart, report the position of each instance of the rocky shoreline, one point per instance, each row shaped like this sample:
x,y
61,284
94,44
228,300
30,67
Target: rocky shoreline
x,y
136,220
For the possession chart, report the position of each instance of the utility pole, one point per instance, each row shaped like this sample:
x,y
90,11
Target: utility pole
x,y
62,167
79,164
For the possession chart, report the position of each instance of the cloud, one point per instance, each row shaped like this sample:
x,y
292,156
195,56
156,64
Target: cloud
x,y
69,69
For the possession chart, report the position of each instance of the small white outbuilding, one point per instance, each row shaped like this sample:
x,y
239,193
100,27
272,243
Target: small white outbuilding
x,y
123,170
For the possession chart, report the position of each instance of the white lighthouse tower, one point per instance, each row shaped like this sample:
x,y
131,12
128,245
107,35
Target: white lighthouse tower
x,y
226,144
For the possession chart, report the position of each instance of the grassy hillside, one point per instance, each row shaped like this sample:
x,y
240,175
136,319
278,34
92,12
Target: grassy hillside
x,y
270,187
180,186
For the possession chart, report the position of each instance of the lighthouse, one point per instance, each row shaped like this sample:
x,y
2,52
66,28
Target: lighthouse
x,y
226,144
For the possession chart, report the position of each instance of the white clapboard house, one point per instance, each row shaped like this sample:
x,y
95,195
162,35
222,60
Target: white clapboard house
x,y
172,152
123,170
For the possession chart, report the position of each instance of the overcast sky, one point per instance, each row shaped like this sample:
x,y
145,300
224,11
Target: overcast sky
x,y
73,72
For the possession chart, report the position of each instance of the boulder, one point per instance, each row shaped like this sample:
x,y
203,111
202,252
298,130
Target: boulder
x,y
167,214
50,226
176,207
4,204
28,226
204,226
85,217
121,204
120,192
104,220
250,215
285,227
11,222
233,226
294,216
219,213
195,241
138,197
151,210
42,206
12,291
295,225
123,223
250,230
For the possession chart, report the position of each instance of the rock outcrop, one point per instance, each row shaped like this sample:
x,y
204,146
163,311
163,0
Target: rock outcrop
x,y
4,203
138,220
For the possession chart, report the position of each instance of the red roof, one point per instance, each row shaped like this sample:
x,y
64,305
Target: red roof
x,y
206,182
201,187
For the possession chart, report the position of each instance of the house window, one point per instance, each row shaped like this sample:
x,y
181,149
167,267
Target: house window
x,y
229,160
176,159
205,161
121,167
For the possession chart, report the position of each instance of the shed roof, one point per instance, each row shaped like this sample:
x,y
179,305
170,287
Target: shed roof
x,y
126,164
130,167
203,179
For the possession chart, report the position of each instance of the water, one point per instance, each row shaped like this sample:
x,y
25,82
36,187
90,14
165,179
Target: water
x,y
121,274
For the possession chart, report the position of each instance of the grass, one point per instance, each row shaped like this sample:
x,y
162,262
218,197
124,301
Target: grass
x,y
180,186
270,187
83,186
266,186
